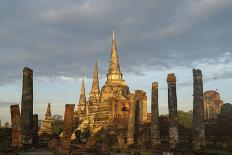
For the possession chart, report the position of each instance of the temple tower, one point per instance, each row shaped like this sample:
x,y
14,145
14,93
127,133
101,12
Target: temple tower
x,y
198,110
114,75
27,106
47,126
82,103
95,91
115,93
155,131
94,97
172,107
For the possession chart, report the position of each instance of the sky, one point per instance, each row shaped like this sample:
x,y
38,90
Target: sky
x,y
62,40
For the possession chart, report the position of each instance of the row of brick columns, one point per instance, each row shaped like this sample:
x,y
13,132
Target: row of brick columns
x,y
135,109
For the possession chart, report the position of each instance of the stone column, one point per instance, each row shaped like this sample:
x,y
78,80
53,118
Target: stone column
x,y
172,107
16,135
141,96
137,120
131,121
35,129
67,131
155,131
198,110
27,106
144,107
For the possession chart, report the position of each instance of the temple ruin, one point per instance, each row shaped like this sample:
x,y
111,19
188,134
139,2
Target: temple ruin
x,y
212,104
115,119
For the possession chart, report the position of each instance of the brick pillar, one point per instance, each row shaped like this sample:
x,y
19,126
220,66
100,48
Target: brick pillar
x,y
35,129
155,131
142,97
67,131
16,134
131,121
27,106
172,107
137,120
198,110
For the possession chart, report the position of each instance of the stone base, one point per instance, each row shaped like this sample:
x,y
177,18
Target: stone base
x,y
63,152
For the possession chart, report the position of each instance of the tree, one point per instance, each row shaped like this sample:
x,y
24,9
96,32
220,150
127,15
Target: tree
x,y
6,125
58,122
185,119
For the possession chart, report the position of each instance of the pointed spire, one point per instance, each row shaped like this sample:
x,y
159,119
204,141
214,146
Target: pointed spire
x,y
114,69
83,87
114,64
48,113
95,85
82,100
113,36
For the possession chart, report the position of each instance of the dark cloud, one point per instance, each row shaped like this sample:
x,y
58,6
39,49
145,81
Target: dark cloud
x,y
65,38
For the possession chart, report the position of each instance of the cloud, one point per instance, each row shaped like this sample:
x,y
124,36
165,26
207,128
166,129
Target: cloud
x,y
6,104
64,39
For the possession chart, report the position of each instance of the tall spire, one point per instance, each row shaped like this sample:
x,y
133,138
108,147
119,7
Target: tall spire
x,y
48,113
83,87
82,100
95,85
114,73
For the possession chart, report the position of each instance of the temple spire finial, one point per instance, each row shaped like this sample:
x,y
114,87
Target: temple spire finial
x,y
114,74
82,100
83,86
48,113
113,35
95,85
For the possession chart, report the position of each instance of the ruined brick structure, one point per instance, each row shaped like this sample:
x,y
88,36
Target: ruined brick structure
x,y
67,131
27,106
198,110
172,107
155,132
212,104
16,134
46,127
